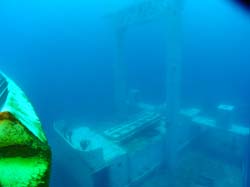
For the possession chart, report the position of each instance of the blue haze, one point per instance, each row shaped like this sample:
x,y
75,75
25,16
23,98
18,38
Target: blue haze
x,y
61,53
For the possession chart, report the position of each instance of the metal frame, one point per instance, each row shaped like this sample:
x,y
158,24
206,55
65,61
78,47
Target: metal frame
x,y
147,11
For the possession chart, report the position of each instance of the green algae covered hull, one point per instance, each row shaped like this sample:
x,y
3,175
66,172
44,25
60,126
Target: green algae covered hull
x,y
25,156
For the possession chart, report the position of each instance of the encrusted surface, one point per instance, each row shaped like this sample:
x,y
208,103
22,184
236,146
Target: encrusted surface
x,y
24,159
18,105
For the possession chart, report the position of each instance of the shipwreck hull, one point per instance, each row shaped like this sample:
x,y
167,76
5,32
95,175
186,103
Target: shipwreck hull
x,y
25,156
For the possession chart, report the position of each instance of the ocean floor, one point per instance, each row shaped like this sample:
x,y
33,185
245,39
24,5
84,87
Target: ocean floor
x,y
198,170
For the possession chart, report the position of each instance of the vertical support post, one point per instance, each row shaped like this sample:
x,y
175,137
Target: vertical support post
x,y
120,85
173,81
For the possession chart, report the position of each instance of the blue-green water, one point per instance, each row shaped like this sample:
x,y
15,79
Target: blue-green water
x,y
62,54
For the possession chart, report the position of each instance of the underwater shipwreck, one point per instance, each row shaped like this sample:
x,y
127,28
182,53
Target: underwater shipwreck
x,y
143,144
155,145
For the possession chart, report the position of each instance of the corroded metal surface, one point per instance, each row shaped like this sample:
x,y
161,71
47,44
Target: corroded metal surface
x,y
25,156
129,128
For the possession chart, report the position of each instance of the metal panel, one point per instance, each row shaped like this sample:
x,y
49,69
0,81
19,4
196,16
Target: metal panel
x,y
3,90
